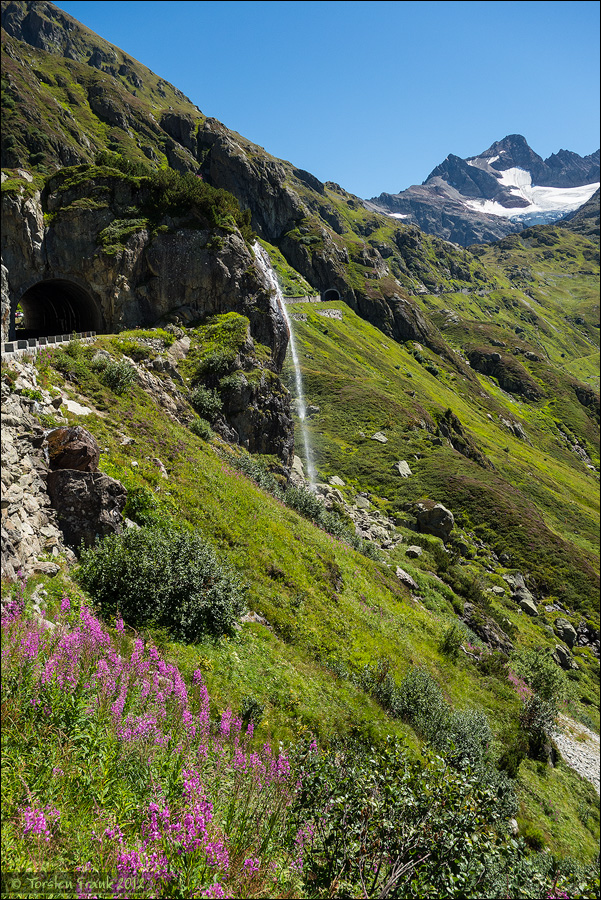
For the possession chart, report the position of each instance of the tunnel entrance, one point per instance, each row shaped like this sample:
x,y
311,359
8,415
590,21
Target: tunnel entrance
x,y
330,295
55,307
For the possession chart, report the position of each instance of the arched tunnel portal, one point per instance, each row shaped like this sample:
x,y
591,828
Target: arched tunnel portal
x,y
52,307
330,296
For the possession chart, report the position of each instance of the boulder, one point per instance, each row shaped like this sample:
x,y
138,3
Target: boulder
x,y
88,504
73,448
406,579
434,518
381,438
414,552
565,632
297,468
563,658
527,604
402,468
336,481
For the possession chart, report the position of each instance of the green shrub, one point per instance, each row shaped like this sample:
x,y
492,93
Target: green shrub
x,y
118,375
141,505
163,577
494,664
450,642
537,719
133,348
381,825
251,710
215,365
201,428
516,750
465,739
121,163
533,836
170,193
539,670
421,703
206,402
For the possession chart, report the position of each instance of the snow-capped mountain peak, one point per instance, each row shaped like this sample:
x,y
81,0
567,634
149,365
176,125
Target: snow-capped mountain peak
x,y
506,188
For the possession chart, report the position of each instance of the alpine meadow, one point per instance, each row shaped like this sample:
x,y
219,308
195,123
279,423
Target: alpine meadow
x,y
300,506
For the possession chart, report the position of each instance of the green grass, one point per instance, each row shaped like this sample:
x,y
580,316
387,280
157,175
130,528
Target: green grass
x,y
330,611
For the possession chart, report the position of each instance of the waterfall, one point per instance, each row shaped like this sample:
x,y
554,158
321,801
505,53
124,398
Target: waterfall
x,y
264,262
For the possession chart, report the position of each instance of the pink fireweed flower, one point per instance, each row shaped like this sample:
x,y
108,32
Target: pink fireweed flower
x,y
39,821
120,625
65,605
197,677
226,722
30,644
118,705
215,891
252,865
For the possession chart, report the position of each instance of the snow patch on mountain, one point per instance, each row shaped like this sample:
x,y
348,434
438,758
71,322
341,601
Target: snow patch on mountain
x,y
543,202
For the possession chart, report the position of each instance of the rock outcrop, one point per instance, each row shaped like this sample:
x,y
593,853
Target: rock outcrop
x,y
89,505
72,448
104,270
32,540
434,518
257,410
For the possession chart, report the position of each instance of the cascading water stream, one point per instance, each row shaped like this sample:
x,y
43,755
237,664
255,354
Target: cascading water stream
x,y
264,262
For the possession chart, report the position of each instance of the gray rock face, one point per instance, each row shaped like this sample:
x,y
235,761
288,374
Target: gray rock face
x,y
402,467
527,604
487,629
29,525
565,631
520,593
138,282
258,415
434,518
88,504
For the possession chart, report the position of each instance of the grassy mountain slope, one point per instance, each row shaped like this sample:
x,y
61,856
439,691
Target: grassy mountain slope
x,y
480,367
330,611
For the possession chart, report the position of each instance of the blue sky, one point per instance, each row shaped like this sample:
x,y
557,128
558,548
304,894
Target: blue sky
x,y
373,94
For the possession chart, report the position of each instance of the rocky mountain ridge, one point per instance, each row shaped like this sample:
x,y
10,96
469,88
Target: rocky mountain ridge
x,y
500,191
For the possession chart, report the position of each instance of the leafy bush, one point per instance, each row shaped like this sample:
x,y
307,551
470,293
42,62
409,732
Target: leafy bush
x,y
516,749
465,739
122,163
206,402
170,193
118,375
450,642
201,428
421,703
537,719
539,670
165,578
494,664
215,365
373,823
141,506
